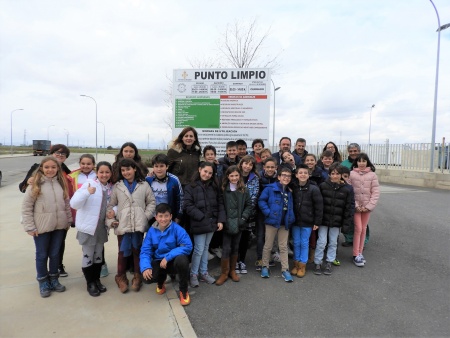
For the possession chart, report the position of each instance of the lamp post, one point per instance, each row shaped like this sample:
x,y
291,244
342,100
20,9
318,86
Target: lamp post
x,y
370,121
104,137
67,137
48,131
275,88
433,127
96,122
11,127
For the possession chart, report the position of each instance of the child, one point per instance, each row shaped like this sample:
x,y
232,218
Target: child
x,y
165,186
365,184
46,217
336,214
85,172
241,148
135,207
209,153
230,157
130,151
204,205
277,206
348,230
257,146
326,160
316,174
237,202
308,209
90,201
247,166
288,161
267,176
265,154
165,251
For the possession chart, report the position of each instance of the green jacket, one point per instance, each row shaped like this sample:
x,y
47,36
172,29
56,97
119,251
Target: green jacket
x,y
238,207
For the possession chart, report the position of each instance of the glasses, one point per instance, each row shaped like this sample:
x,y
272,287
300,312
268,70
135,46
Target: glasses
x,y
286,175
57,153
330,147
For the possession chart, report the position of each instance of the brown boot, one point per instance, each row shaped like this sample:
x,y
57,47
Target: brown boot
x,y
122,283
136,283
233,275
311,256
301,270
225,264
295,268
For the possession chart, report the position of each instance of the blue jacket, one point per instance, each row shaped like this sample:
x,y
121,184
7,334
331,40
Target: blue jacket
x,y
174,194
168,244
271,205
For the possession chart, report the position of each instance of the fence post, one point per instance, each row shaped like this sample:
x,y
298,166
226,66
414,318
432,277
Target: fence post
x,y
387,154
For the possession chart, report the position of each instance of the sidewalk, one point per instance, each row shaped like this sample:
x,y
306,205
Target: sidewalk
x,y
23,313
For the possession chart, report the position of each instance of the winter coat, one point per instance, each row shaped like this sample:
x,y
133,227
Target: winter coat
x,y
337,204
23,185
366,187
271,205
168,244
318,175
265,181
308,204
75,175
133,210
48,211
226,163
174,194
183,163
88,206
238,208
303,156
347,163
204,205
253,186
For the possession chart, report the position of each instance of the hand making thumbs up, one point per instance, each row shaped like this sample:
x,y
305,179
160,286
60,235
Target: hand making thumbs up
x,y
91,189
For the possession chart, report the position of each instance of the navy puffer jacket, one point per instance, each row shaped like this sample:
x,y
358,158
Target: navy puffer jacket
x,y
308,204
337,204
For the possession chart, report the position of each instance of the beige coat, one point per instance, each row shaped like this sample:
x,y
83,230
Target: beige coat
x,y
49,211
133,210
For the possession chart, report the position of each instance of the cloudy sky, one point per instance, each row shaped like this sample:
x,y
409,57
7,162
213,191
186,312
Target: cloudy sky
x,y
337,59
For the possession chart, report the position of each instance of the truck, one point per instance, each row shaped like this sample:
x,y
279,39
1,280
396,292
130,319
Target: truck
x,y
41,147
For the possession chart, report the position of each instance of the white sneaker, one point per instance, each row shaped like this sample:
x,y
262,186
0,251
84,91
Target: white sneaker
x,y
210,256
358,261
243,268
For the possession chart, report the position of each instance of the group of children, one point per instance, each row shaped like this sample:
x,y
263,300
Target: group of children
x,y
225,201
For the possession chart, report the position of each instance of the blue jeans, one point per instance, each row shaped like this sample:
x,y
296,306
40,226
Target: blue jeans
x,y
47,249
300,235
200,254
330,234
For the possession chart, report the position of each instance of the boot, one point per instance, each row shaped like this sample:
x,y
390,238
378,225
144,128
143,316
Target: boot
x,y
233,275
311,256
44,287
97,273
301,269
122,282
54,283
136,283
225,265
295,268
89,275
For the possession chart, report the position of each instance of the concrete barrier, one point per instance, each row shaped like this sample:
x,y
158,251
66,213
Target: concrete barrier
x,y
414,178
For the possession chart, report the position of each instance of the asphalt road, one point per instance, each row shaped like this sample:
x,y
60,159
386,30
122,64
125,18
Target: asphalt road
x,y
403,290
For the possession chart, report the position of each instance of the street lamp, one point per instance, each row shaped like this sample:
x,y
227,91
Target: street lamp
x,y
370,121
275,88
11,127
104,137
433,127
67,137
48,131
96,122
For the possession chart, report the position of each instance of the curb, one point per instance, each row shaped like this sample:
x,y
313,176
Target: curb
x,y
181,318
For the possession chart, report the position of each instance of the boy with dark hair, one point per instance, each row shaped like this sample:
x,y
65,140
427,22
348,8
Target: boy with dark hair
x,y
241,148
166,250
231,157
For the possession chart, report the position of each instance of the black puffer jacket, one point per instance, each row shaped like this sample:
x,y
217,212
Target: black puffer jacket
x,y
204,205
308,204
337,204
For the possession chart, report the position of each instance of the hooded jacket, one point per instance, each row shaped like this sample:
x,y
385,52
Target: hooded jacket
x,y
271,205
183,163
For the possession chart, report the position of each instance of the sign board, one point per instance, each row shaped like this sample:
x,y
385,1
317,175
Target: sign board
x,y
222,104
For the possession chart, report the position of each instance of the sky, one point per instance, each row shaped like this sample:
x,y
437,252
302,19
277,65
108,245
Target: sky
x,y
336,59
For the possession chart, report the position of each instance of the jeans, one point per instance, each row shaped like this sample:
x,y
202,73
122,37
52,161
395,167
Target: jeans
x,y
200,254
48,245
325,233
300,235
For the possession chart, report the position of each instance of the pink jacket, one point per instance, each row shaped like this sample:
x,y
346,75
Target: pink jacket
x,y
366,188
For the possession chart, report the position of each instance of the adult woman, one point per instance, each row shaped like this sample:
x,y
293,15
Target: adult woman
x,y
128,150
184,155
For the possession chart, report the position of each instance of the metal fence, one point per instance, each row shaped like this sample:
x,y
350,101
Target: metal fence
x,y
412,156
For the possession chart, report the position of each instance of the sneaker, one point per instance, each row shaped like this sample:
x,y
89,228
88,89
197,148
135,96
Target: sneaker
x,y
62,272
210,256
207,278
217,252
161,290
237,269
194,281
327,270
363,259
104,272
287,276
243,267
336,262
347,244
317,269
184,298
258,265
358,261
265,273
276,257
